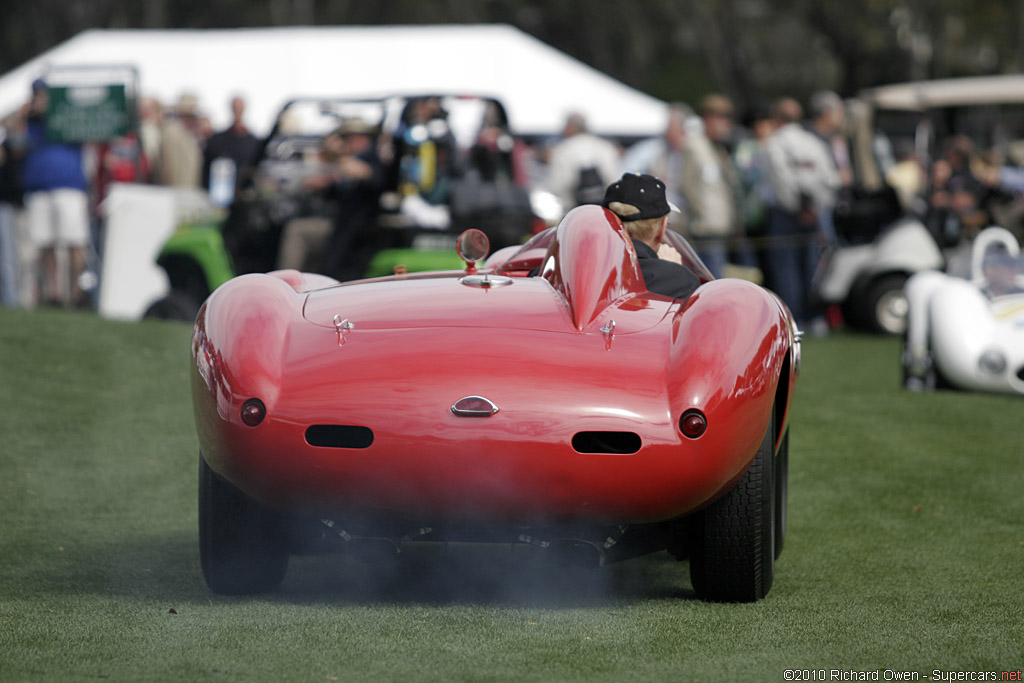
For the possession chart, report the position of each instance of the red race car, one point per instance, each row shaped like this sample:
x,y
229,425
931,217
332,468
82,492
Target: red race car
x,y
546,398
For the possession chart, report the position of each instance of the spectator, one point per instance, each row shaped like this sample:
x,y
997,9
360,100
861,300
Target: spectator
x,y
664,156
304,238
10,204
228,154
181,151
716,112
56,207
581,164
357,184
803,177
907,176
954,210
491,191
496,154
756,192
711,184
828,118
425,149
121,160
150,124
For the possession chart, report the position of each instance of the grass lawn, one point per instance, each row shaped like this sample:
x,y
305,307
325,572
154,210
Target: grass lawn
x,y
905,549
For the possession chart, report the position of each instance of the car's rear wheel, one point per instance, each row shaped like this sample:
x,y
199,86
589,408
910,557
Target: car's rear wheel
x,y
732,553
243,546
781,493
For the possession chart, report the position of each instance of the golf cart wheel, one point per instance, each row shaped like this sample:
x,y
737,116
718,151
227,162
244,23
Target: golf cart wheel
x,y
885,305
243,547
732,553
174,306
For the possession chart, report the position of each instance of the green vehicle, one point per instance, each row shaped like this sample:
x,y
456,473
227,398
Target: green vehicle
x,y
196,263
439,179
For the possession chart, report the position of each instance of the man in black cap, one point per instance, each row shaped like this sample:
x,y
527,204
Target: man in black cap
x,y
639,201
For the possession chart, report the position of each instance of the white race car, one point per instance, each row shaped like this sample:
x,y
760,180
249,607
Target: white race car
x,y
969,333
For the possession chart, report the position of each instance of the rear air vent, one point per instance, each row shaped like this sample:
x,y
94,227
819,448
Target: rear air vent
x,y
606,442
339,436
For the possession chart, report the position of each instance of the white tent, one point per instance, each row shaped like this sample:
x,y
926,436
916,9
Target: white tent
x,y
539,85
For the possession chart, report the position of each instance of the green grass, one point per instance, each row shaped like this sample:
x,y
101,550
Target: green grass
x,y
905,547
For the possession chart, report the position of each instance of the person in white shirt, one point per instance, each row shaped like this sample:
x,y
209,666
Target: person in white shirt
x,y
804,179
581,165
664,156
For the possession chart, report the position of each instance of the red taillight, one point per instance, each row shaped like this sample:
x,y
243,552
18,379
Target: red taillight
x,y
253,412
693,423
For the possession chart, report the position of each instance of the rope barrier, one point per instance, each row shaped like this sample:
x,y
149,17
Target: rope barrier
x,y
760,242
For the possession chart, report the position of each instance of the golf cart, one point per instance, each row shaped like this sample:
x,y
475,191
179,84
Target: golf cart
x,y
448,163
881,243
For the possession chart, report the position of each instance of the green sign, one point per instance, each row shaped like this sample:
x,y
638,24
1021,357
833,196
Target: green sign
x,y
87,113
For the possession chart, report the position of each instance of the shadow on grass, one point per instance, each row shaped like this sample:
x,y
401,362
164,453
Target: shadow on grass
x,y
167,569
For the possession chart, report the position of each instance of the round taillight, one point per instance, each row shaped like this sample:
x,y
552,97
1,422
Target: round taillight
x,y
253,412
693,423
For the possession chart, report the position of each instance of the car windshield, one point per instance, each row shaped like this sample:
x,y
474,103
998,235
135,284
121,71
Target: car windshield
x,y
1003,273
293,148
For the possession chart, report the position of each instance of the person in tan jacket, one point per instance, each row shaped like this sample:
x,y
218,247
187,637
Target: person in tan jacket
x,y
181,147
710,183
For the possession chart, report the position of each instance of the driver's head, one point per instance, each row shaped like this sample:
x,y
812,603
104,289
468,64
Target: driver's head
x,y
639,201
999,266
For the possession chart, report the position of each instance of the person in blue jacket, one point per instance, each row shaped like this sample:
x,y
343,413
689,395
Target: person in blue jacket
x,y
56,205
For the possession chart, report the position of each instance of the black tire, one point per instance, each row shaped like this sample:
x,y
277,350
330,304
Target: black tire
x,y
732,553
884,305
243,547
174,306
781,493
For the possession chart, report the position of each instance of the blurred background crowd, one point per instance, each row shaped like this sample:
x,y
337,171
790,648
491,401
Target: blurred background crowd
x,y
52,191
758,148
759,190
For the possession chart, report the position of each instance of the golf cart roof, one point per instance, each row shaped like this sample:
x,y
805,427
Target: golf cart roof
x,y
948,92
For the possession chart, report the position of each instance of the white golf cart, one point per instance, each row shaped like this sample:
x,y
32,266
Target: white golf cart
x,y
880,246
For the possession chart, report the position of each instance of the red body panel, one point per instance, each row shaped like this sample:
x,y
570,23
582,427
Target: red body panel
x,y
541,349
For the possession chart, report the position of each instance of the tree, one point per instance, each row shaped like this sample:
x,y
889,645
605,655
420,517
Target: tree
x,y
673,49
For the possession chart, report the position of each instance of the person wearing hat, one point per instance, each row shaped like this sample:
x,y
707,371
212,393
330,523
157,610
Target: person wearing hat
x,y
181,147
710,183
639,202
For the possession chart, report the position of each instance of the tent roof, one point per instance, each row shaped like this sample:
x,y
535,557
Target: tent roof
x,y
538,85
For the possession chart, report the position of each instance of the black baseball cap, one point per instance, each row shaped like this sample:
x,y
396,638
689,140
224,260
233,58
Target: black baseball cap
x,y
643,191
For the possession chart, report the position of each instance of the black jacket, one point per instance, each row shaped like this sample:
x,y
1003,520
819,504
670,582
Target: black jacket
x,y
664,277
